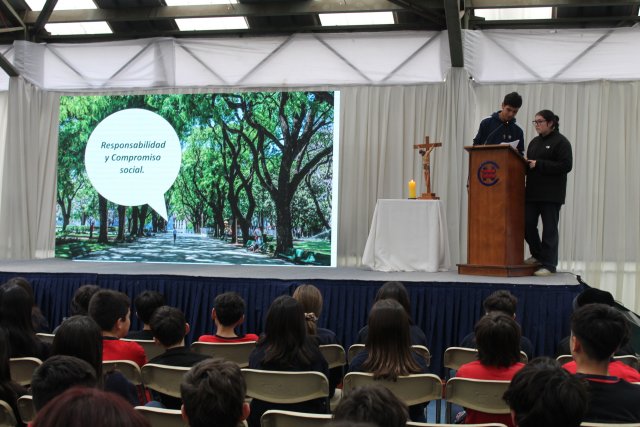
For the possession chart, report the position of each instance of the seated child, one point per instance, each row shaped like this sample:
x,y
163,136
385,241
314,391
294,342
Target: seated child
x,y
57,374
214,390
146,303
110,310
169,328
227,314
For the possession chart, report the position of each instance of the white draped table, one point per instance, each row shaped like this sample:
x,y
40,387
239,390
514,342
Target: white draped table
x,y
408,235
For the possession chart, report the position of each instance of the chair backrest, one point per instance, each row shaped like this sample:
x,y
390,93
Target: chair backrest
x,y
416,424
151,349
22,369
411,389
628,359
163,378
278,418
353,350
588,424
564,358
129,369
454,357
423,352
237,352
7,417
160,417
48,338
481,395
334,354
26,408
285,387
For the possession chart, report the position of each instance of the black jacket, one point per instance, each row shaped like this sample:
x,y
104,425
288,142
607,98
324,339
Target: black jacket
x,y
547,182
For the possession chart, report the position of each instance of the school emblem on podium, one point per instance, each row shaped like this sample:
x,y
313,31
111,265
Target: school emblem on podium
x,y
488,173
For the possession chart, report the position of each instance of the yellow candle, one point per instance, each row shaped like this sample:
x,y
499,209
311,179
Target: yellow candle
x,y
412,189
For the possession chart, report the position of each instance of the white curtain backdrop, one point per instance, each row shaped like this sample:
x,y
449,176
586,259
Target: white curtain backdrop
x,y
28,193
380,125
4,106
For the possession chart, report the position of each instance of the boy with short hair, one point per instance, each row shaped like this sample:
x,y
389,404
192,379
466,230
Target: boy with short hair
x,y
213,393
228,314
57,374
110,310
169,328
597,331
373,404
501,301
544,394
146,303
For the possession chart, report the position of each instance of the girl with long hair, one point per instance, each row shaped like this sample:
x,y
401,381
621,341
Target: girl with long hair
x,y
397,291
9,390
15,317
38,320
286,346
387,353
311,300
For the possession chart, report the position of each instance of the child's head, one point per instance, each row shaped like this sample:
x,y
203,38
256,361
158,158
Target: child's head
x,y
80,336
169,326
110,310
598,330
373,404
81,298
80,406
214,389
498,340
57,374
228,309
146,303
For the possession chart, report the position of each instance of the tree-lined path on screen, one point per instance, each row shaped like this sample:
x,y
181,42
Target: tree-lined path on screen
x,y
188,248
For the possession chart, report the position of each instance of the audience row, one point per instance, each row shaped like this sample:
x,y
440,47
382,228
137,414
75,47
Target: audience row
x,y
289,342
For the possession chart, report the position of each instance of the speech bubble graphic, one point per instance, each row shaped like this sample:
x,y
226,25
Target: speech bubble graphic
x,y
133,157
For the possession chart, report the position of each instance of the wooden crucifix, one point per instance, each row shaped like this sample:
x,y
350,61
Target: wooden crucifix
x,y
425,151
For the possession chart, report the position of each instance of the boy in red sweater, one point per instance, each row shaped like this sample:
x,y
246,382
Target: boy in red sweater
x,y
111,311
228,314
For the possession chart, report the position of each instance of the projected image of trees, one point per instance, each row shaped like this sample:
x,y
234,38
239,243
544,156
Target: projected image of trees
x,y
254,186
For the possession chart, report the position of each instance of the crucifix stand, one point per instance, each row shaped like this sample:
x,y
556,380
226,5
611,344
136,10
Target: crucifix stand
x,y
425,151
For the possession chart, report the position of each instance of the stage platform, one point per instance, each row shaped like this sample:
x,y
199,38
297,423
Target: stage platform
x,y
444,304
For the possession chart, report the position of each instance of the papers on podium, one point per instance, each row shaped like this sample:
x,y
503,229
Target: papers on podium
x,y
513,144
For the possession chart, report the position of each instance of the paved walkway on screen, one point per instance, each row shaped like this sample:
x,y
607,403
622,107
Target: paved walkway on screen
x,y
188,248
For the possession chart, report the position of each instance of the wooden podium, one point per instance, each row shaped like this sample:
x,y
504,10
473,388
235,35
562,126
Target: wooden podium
x,y
495,242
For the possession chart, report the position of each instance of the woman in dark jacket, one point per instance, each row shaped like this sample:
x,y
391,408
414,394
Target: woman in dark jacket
x,y
550,159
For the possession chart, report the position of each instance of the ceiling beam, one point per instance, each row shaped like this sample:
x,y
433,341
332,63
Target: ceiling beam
x,y
575,22
422,10
454,30
44,15
10,13
478,4
268,30
225,10
8,67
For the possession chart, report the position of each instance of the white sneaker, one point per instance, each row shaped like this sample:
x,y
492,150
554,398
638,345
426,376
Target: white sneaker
x,y
543,272
531,260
